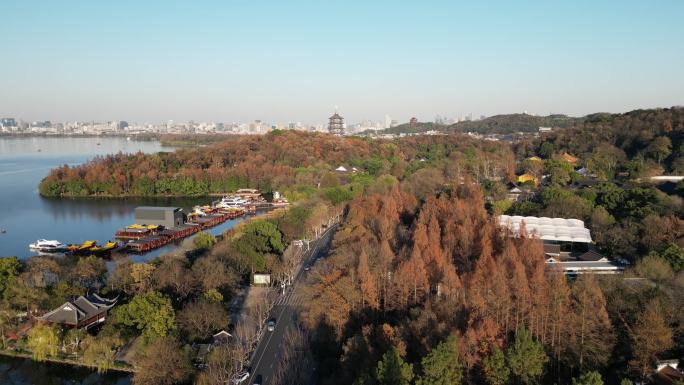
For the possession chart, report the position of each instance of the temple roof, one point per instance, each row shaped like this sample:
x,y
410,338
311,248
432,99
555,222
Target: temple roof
x,y
82,308
336,116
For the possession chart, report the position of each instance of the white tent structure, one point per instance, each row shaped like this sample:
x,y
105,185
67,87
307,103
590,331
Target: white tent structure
x,y
547,229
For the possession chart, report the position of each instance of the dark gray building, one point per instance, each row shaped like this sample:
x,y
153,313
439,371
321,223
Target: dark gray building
x,y
160,216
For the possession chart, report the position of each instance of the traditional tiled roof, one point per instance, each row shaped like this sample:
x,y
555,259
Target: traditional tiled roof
x,y
71,313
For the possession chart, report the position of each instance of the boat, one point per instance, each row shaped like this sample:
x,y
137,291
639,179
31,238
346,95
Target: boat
x,y
231,202
82,248
107,247
280,202
199,211
48,246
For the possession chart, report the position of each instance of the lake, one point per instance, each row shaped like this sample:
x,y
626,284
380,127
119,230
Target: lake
x,y
26,216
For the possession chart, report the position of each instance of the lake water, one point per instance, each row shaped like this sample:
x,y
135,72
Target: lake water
x,y
26,216
18,371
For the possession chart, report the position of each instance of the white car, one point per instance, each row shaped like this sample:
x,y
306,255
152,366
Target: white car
x,y
239,377
271,325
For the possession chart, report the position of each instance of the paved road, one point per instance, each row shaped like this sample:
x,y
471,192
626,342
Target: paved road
x,y
265,358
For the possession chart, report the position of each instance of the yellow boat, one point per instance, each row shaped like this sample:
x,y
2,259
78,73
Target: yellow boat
x,y
109,246
85,246
142,227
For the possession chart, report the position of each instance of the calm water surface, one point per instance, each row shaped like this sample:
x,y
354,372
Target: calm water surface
x,y
26,216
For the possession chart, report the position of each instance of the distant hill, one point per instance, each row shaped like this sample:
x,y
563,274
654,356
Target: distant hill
x,y
498,124
506,124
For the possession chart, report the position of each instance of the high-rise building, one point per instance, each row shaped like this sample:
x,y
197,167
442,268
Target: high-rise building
x,y
336,124
388,121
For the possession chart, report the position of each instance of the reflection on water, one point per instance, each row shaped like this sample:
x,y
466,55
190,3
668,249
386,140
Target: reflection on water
x,y
19,371
26,216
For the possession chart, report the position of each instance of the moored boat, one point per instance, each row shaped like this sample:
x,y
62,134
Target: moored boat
x,y
82,248
48,246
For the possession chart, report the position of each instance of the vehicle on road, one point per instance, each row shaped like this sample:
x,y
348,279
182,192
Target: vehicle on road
x,y
307,268
239,377
271,325
258,380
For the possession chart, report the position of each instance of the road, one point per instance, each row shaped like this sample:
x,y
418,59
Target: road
x,y
265,358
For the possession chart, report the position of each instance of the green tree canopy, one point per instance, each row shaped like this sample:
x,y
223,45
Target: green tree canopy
x,y
43,341
442,365
204,240
526,357
495,368
589,378
258,239
392,370
9,269
150,313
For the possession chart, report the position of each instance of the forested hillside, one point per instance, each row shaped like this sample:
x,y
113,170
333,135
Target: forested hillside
x,y
641,142
498,124
290,161
433,293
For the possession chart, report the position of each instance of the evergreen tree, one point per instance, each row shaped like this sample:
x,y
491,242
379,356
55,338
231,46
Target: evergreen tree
x,y
589,378
442,365
526,357
495,368
392,370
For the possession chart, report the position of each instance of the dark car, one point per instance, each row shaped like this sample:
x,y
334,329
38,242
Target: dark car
x,y
258,380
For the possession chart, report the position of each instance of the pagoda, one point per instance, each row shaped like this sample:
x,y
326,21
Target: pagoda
x,y
336,124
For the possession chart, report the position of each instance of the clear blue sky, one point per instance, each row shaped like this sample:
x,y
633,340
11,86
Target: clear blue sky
x,y
292,60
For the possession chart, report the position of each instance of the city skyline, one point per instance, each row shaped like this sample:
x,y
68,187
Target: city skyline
x,y
238,61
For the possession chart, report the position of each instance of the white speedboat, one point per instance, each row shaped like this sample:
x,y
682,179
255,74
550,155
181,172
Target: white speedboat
x,y
232,202
48,246
197,210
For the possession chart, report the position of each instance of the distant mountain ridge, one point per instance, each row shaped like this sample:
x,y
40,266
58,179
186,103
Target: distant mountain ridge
x,y
497,124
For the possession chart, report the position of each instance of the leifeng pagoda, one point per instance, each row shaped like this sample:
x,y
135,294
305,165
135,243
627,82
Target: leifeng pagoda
x,y
336,124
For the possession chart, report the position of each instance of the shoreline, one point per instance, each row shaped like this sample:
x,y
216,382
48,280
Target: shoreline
x,y
63,361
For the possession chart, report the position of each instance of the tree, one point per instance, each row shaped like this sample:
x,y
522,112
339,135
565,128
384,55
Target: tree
x,y
89,273
526,357
674,255
9,269
151,313
259,238
392,370
593,333
222,362
495,368
589,378
173,274
655,268
162,363
200,319
369,292
442,365
203,241
659,148
43,342
650,336
99,352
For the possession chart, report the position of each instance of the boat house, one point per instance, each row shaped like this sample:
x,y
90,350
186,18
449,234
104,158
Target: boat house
x,y
83,312
160,216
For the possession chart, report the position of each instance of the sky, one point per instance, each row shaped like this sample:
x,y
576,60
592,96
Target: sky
x,y
291,60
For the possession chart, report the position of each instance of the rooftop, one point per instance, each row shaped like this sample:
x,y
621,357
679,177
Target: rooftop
x,y
547,229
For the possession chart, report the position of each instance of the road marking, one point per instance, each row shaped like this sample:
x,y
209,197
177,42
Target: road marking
x,y
288,296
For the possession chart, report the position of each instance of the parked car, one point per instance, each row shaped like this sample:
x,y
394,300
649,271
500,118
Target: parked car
x,y
239,377
271,325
